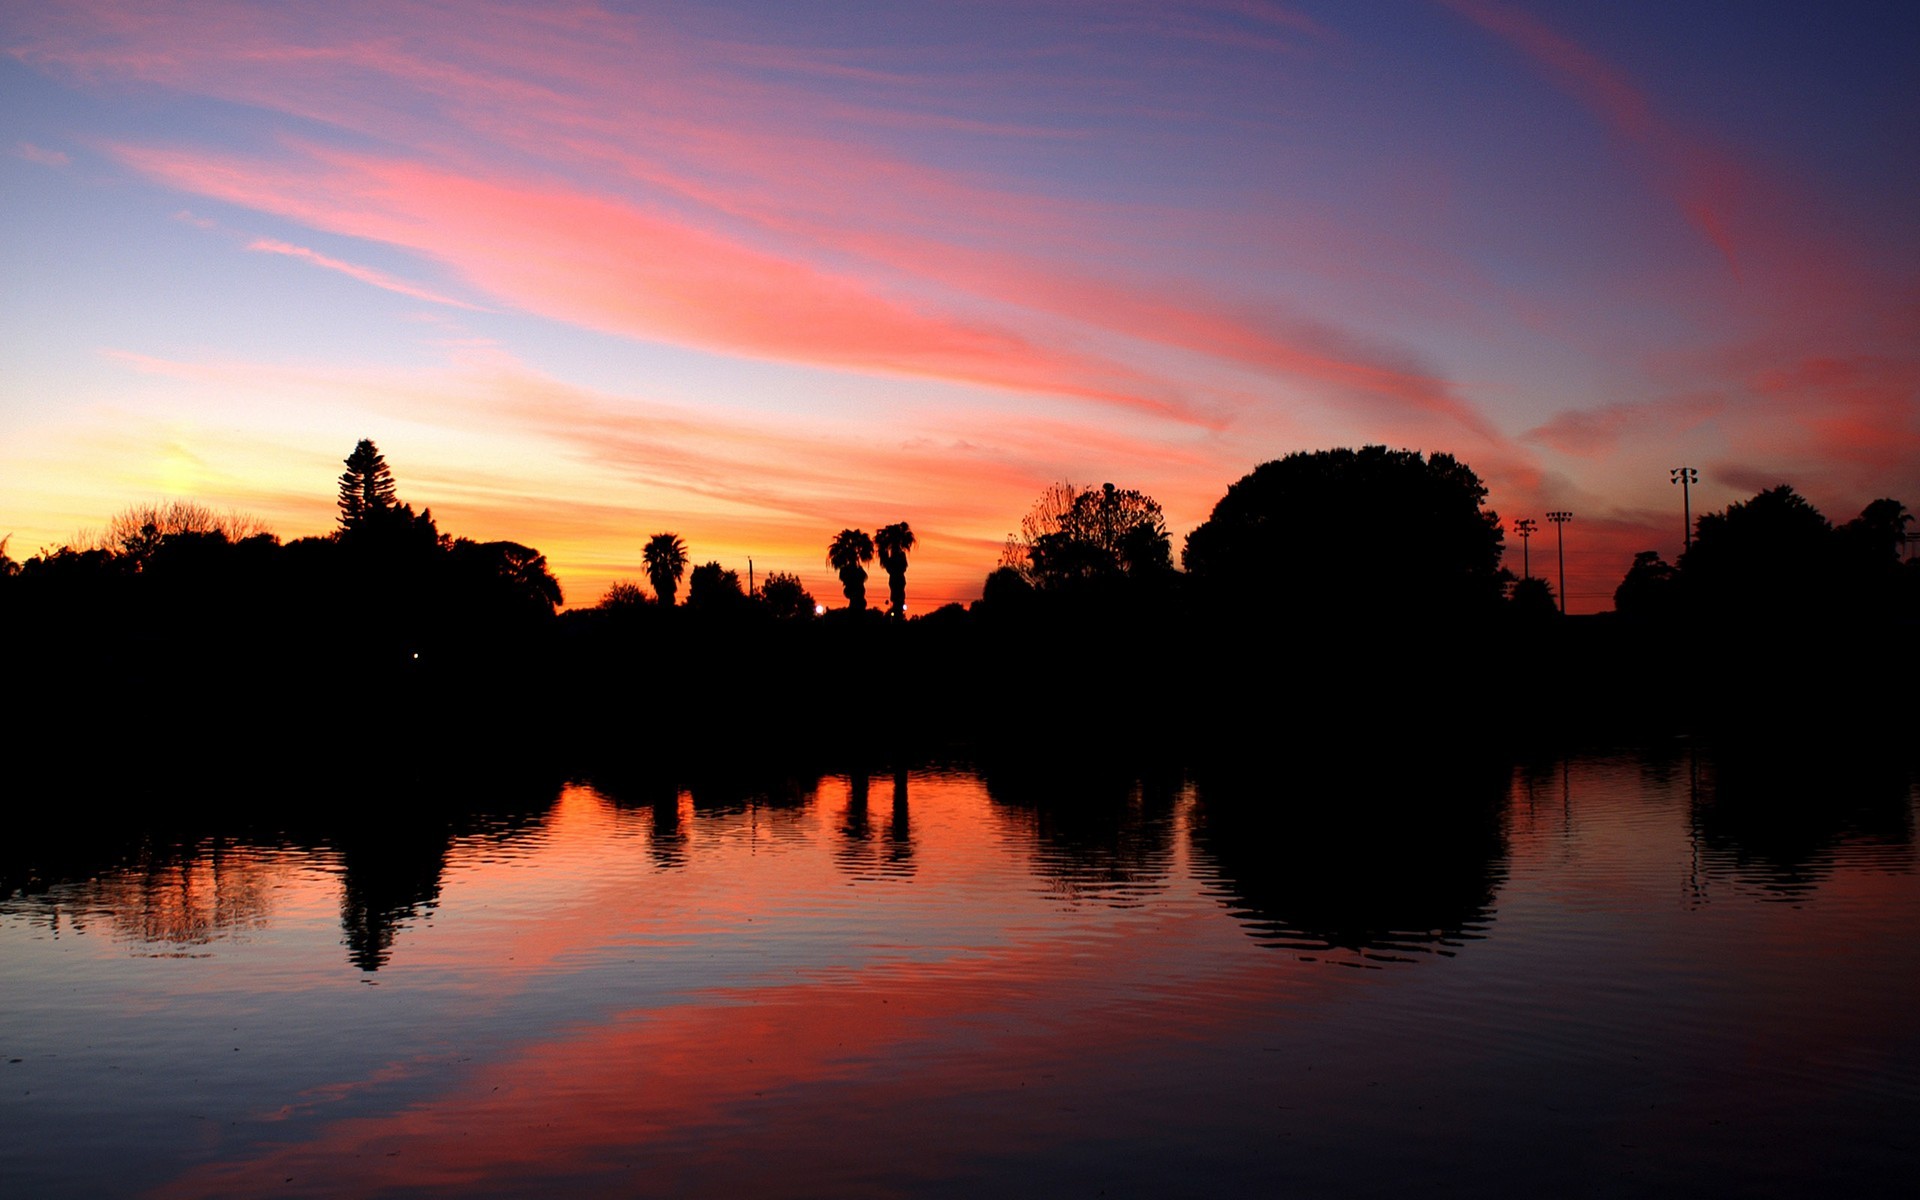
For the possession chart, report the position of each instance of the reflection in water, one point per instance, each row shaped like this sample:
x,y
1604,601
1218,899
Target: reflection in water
x,y
855,825
171,898
713,798
900,826
393,850
173,884
389,876
1781,820
657,989
666,838
1094,835
660,796
860,850
1375,861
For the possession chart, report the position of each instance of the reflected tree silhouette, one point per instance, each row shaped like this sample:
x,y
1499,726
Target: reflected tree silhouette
x,y
390,876
899,824
1774,816
855,822
1356,863
1104,836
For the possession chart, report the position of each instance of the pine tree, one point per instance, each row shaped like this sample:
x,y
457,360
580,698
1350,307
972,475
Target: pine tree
x,y
366,487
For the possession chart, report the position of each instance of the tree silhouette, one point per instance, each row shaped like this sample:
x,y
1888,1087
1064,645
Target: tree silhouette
x,y
665,557
1532,600
850,548
1875,537
518,573
1078,535
1649,588
366,486
891,543
1774,554
622,595
1006,589
785,598
1352,535
138,530
713,588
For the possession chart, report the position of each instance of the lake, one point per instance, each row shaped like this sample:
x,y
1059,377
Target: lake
x,y
1610,974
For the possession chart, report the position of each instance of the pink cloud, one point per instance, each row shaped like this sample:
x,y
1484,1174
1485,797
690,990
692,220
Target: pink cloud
x,y
363,274
667,148
1591,432
1835,416
606,264
43,156
1706,184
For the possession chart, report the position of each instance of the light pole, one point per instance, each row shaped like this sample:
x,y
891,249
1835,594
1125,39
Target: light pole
x,y
1560,517
1686,477
1525,527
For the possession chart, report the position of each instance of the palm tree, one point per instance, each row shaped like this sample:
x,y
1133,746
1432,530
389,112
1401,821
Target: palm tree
x,y
665,557
892,542
850,548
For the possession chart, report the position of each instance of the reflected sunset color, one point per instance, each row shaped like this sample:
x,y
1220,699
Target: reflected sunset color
x,y
935,981
756,273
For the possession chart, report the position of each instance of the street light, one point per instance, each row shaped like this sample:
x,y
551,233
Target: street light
x,y
1686,477
1560,517
1525,527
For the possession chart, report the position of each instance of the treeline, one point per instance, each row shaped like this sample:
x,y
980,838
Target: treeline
x,y
179,631
1773,623
1355,594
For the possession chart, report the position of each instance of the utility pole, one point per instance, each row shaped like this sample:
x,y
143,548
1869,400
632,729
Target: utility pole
x,y
1525,527
1686,477
750,577
1560,517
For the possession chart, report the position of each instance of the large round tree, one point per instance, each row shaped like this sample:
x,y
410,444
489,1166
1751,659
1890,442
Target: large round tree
x,y
1355,534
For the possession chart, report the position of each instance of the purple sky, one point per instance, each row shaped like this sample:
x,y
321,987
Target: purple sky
x,y
754,273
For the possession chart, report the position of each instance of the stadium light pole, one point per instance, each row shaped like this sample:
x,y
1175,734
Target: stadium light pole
x,y
1560,517
1686,477
1525,527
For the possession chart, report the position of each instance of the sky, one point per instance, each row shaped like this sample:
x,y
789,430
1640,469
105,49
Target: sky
x,y
755,273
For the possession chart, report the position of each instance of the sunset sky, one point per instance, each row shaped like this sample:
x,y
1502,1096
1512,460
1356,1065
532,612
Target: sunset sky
x,y
755,272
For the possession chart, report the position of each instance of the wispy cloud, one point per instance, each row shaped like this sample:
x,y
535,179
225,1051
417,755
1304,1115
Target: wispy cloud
x,y
368,275
1152,242
1706,183
713,193
1597,431
611,265
41,155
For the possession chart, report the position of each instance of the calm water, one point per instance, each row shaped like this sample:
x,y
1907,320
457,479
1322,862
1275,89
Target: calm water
x,y
1614,975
